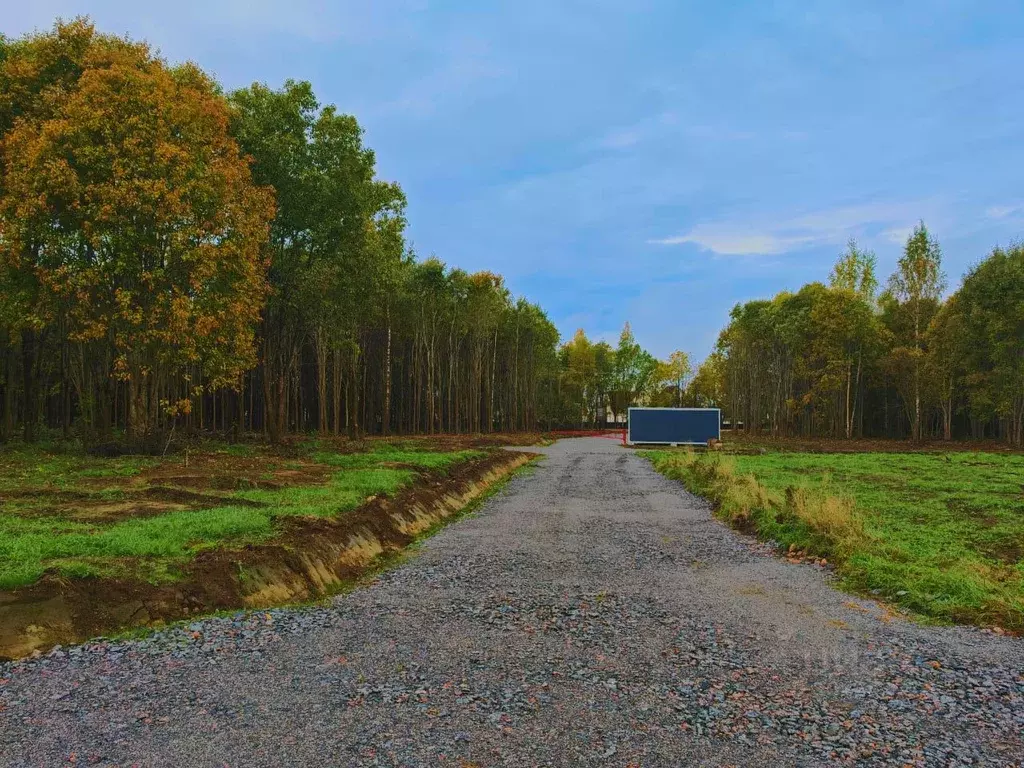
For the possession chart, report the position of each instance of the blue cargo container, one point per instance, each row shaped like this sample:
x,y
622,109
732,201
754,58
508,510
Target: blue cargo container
x,y
674,426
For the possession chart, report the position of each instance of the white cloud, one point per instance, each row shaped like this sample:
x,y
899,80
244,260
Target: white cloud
x,y
897,235
830,226
734,243
1002,211
667,126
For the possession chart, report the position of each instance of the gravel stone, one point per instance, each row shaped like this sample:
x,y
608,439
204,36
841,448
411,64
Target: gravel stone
x,y
592,614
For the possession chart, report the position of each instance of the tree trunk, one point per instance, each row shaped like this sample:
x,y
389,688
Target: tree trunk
x,y
336,380
137,427
916,428
7,423
320,343
29,373
386,373
847,415
353,394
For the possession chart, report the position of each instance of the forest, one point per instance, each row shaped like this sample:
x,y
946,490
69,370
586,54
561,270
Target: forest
x,y
177,259
849,360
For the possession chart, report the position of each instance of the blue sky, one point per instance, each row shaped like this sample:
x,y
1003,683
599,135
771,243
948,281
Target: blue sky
x,y
653,160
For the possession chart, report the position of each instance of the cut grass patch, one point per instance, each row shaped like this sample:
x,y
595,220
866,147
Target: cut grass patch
x,y
77,549
40,492
403,454
345,490
941,535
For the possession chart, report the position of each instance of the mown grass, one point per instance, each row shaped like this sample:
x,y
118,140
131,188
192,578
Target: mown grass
x,y
941,535
31,541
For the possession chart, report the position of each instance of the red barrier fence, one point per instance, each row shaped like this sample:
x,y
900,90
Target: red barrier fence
x,y
613,434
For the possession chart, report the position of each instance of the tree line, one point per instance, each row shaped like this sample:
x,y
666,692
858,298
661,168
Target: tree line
x,y
852,358
596,383
176,257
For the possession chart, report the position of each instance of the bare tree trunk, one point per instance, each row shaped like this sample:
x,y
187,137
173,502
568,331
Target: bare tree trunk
x,y
353,396
336,385
137,425
490,402
29,381
386,416
847,415
916,429
7,425
320,344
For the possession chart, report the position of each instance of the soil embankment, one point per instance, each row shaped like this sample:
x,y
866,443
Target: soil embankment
x,y
311,557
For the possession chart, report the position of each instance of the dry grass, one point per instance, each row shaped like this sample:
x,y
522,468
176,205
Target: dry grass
x,y
832,523
941,535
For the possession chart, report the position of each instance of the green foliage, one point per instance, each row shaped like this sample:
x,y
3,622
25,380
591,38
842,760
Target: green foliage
x,y
707,390
129,218
595,378
834,361
939,534
634,369
918,276
33,538
988,336
855,272
161,240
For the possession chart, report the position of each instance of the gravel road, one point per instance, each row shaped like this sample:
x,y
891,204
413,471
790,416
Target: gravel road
x,y
592,614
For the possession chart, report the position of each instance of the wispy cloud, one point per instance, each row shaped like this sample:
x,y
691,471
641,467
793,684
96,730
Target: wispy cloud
x,y
731,238
624,137
897,235
667,126
466,65
731,243
1004,211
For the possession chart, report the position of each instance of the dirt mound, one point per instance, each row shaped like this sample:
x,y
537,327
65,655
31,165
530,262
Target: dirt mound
x,y
218,472
311,557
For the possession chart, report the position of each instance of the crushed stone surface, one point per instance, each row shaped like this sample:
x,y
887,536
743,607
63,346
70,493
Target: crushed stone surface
x,y
591,614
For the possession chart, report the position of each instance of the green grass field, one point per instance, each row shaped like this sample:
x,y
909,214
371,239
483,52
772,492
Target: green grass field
x,y
86,516
941,535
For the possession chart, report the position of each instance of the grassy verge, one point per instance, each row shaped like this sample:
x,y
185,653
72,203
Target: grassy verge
x,y
941,535
81,515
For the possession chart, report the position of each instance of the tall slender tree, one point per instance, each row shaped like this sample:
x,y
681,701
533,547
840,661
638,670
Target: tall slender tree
x,y
918,283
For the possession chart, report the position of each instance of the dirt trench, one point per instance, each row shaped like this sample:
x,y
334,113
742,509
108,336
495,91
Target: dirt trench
x,y
310,557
